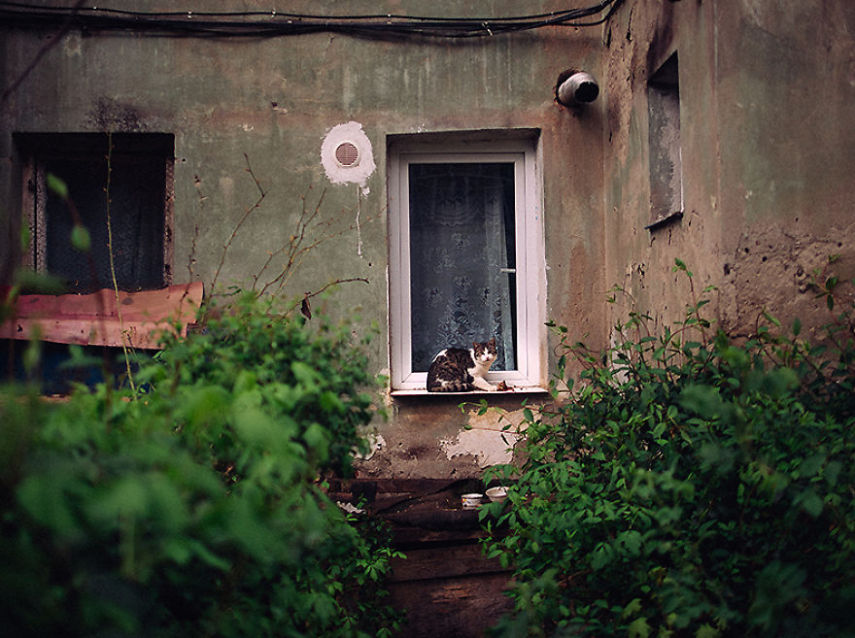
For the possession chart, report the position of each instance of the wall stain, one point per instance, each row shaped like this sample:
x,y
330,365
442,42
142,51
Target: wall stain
x,y
110,115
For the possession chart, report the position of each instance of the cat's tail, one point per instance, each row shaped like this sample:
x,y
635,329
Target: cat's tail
x,y
449,386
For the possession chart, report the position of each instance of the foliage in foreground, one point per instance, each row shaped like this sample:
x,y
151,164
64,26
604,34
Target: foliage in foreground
x,y
689,488
194,508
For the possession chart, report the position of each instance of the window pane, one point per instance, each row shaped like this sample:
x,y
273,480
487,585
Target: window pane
x,y
136,211
663,101
462,258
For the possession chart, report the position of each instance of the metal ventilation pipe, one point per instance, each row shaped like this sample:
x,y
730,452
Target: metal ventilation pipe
x,y
576,87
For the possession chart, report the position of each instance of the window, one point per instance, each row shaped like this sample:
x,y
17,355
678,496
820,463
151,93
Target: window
x,y
666,179
466,258
140,169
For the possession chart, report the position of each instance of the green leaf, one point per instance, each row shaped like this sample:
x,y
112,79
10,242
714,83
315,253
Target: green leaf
x,y
36,282
46,500
832,471
26,237
305,374
127,496
208,556
80,239
771,318
707,631
32,355
703,400
206,404
632,608
316,439
812,465
777,584
601,556
638,628
631,539
57,186
810,502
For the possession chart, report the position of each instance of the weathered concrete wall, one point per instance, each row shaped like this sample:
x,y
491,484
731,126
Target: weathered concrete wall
x,y
767,128
271,102
768,151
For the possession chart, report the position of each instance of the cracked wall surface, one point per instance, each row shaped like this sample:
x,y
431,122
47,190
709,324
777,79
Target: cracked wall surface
x,y
767,151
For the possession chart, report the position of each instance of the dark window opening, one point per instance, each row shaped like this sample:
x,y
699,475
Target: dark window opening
x,y
666,179
139,167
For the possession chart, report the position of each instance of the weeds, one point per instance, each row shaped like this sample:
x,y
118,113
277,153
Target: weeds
x,y
692,485
191,501
196,509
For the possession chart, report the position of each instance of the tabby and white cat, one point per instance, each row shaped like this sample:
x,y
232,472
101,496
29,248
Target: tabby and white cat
x,y
461,370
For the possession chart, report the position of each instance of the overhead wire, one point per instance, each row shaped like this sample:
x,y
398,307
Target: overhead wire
x,y
273,23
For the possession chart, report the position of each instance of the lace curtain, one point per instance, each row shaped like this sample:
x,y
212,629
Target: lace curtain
x,y
136,211
462,284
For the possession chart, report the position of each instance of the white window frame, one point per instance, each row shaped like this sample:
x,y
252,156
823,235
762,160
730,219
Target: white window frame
x,y
529,244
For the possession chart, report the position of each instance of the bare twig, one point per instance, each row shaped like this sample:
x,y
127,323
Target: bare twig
x,y
294,246
112,260
300,245
261,195
322,289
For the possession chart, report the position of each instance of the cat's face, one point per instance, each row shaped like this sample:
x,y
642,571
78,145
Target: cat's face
x,y
485,352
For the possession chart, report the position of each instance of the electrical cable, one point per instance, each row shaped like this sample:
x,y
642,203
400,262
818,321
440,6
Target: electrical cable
x,y
258,24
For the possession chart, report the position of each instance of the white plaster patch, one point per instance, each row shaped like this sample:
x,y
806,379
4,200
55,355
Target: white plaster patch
x,y
498,419
347,156
489,447
376,443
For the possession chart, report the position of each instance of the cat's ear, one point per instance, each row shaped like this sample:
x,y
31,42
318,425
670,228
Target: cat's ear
x,y
492,342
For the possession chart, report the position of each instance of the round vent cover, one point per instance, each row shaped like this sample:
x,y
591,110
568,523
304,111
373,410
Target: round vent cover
x,y
347,154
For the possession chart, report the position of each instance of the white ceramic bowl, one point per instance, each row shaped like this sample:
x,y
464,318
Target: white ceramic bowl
x,y
471,501
497,494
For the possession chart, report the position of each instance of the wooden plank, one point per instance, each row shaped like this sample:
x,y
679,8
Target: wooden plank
x,y
94,319
450,561
461,607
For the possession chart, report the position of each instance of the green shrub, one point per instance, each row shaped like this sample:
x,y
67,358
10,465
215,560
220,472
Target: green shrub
x,y
194,508
690,486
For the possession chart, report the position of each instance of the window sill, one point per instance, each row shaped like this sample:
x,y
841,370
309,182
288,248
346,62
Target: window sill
x,y
665,220
528,390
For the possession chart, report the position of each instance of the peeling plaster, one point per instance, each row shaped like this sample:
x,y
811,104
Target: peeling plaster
x,y
376,443
487,446
487,439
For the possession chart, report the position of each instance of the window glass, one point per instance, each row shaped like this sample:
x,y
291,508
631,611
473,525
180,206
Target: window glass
x,y
462,256
666,180
136,212
139,170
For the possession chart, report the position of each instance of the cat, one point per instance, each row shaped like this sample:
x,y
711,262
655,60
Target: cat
x,y
461,370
